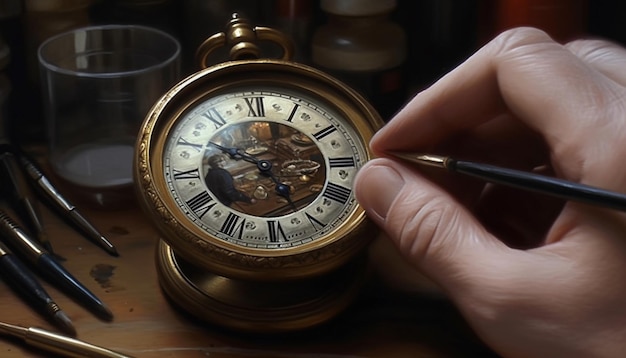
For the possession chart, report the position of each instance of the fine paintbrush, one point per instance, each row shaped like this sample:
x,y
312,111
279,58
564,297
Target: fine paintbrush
x,y
522,180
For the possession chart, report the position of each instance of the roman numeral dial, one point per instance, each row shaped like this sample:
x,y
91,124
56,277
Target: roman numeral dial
x,y
246,168
264,168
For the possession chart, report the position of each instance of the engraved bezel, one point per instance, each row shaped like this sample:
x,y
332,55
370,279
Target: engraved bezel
x,y
214,254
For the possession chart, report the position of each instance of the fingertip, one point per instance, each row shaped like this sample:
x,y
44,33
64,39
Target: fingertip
x,y
376,187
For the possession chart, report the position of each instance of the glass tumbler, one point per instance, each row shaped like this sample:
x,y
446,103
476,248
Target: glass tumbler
x,y
98,83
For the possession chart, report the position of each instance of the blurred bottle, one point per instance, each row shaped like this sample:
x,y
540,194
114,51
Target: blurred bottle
x,y
295,19
564,20
361,46
160,14
164,15
45,18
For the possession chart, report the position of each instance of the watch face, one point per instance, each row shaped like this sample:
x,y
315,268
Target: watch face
x,y
263,167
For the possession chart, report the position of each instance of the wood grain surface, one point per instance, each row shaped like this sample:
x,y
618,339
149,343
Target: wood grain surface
x,y
386,321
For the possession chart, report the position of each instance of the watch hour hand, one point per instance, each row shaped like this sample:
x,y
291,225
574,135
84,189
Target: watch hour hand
x,y
265,166
236,153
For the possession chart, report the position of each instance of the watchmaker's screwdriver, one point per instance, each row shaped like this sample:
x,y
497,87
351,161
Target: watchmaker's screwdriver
x,y
64,207
21,196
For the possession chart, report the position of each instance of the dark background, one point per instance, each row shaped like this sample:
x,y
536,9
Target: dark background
x,y
440,33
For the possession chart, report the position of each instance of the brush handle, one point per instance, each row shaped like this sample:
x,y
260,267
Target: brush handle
x,y
538,183
58,275
23,281
67,346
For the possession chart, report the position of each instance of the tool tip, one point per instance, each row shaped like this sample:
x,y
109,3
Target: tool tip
x,y
64,322
424,159
109,247
104,312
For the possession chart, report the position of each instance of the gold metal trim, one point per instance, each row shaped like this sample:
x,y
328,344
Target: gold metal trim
x,y
241,38
266,307
213,254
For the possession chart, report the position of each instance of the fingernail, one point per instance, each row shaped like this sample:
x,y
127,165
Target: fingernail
x,y
379,188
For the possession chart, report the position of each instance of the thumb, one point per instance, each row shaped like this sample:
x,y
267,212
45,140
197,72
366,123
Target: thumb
x,y
431,229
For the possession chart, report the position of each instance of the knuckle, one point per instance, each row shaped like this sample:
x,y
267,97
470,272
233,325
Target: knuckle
x,y
521,37
593,50
427,224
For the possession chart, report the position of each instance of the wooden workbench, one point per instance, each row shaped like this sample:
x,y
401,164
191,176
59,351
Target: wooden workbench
x,y
384,322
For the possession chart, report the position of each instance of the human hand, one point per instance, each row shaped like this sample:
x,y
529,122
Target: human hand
x,y
533,276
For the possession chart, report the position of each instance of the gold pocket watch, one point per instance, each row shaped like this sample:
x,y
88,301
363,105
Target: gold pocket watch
x,y
246,169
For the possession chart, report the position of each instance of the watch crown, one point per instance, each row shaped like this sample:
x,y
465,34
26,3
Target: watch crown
x,y
242,38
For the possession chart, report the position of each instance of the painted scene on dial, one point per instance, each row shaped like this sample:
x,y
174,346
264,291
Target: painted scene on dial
x,y
263,168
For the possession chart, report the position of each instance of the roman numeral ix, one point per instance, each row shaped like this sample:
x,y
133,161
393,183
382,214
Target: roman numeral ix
x,y
187,174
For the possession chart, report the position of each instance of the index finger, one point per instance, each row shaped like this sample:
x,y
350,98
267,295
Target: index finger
x,y
522,72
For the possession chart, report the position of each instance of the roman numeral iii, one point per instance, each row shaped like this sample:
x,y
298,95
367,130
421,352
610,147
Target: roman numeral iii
x,y
337,193
342,162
